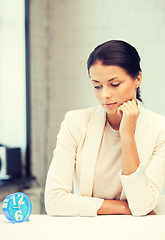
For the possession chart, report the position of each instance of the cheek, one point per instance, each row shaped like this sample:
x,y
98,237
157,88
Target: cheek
x,y
97,94
128,91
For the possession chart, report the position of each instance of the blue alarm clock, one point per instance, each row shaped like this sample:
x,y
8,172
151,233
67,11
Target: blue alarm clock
x,y
17,207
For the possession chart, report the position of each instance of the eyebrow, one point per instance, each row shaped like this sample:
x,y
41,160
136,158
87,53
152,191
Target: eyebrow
x,y
108,80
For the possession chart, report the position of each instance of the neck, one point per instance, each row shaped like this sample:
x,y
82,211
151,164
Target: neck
x,y
114,120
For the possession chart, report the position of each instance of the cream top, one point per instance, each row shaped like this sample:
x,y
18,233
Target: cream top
x,y
107,183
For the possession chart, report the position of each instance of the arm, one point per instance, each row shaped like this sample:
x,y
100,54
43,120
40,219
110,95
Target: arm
x,y
114,207
142,189
130,157
59,199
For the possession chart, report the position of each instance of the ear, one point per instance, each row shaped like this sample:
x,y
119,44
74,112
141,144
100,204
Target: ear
x,y
138,80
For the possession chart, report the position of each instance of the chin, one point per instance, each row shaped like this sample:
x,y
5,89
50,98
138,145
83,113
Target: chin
x,y
110,111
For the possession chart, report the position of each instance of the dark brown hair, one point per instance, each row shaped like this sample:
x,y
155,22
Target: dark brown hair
x,y
119,53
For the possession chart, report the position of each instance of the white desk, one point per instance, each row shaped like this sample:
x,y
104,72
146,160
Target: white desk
x,y
77,228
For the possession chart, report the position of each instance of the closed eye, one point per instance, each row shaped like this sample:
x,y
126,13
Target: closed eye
x,y
115,85
97,87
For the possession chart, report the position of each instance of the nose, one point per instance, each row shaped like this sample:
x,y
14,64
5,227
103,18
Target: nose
x,y
105,92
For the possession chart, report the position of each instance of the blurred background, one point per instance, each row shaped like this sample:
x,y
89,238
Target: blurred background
x,y
44,46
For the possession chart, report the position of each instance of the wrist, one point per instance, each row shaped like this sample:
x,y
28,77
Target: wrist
x,y
127,137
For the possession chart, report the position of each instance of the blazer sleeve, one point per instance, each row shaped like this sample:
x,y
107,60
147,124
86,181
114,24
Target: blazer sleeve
x,y
144,187
59,199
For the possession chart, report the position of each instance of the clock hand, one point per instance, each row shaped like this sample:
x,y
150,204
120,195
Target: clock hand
x,y
17,207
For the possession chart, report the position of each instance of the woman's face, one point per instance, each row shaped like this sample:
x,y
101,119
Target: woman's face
x,y
113,86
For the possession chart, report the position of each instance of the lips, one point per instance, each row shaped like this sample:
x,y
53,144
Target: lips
x,y
109,104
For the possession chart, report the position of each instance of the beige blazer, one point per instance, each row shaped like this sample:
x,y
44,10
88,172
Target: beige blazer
x,y
75,156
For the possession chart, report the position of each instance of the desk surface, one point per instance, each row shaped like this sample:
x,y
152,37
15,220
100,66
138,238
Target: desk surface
x,y
115,227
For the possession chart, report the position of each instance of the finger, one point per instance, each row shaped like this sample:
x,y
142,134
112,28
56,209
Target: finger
x,y
129,106
134,101
122,110
135,107
132,106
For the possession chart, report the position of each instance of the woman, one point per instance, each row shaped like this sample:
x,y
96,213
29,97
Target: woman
x,y
114,153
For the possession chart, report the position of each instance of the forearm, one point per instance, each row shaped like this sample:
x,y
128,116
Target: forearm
x,y
130,158
114,207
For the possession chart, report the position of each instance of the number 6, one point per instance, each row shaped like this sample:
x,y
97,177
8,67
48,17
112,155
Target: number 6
x,y
18,215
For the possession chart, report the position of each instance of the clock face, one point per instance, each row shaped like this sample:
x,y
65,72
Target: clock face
x,y
17,207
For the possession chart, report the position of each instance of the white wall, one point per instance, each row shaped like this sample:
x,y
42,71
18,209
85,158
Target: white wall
x,y
78,26
12,74
63,33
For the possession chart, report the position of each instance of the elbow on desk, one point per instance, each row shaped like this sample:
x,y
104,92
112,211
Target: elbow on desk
x,y
53,209
61,204
140,211
59,211
53,205
143,203
48,206
52,212
49,211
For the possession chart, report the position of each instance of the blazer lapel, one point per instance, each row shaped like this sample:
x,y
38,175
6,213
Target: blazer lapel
x,y
92,143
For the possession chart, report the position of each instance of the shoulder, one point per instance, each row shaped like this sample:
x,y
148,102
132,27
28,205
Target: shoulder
x,y
152,118
76,121
82,115
151,123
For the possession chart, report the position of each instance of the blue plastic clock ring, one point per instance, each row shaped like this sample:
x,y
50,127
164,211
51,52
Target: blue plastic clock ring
x,y
17,207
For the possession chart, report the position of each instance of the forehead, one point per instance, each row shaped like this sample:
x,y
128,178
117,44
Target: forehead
x,y
99,71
